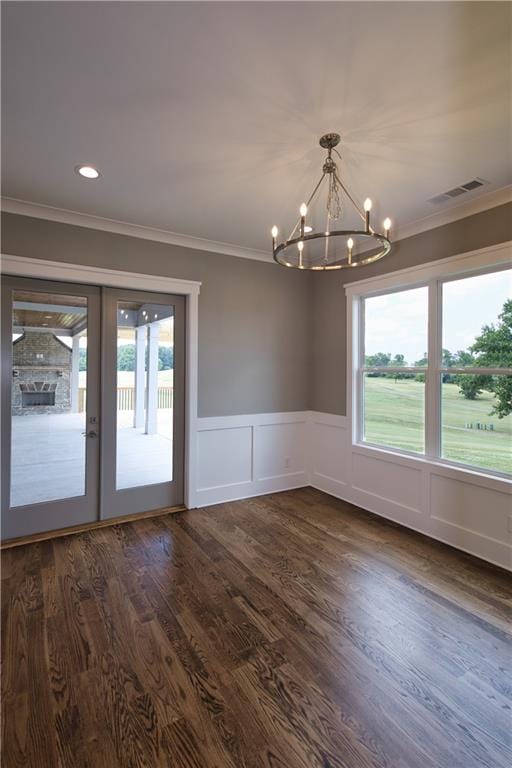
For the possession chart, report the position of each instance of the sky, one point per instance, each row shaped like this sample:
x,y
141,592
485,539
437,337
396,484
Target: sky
x,y
397,323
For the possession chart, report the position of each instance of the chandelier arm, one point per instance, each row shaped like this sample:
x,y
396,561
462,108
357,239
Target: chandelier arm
x,y
349,196
322,177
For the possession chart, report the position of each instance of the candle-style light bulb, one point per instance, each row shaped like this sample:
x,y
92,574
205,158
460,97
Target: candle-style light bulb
x,y
367,209
387,226
350,245
300,246
303,210
275,232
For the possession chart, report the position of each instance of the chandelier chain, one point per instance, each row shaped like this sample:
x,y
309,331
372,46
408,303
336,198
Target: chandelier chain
x,y
333,197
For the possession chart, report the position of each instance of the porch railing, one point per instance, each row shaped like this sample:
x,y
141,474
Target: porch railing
x,y
126,398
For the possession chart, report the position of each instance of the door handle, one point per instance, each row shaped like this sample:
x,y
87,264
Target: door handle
x,y
91,433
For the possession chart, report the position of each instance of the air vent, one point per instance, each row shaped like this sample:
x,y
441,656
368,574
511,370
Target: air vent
x,y
456,191
473,184
469,186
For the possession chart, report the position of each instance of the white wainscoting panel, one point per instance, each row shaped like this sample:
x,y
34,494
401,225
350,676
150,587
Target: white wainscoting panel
x,y
377,475
329,452
243,456
225,457
465,509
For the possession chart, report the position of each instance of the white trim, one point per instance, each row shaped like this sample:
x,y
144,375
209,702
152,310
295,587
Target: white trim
x,y
481,258
210,423
74,273
464,209
65,216
432,275
469,207
24,266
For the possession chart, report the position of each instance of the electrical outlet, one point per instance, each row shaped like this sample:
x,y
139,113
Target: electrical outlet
x,y
287,463
510,523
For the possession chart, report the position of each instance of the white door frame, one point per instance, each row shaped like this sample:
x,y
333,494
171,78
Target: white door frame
x,y
22,266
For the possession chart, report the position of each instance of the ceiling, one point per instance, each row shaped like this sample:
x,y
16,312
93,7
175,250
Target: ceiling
x,y
204,118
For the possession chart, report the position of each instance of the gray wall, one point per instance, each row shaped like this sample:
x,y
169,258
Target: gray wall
x,y
328,305
253,316
270,339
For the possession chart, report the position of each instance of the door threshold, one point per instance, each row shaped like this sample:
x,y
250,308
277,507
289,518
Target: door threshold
x,y
58,532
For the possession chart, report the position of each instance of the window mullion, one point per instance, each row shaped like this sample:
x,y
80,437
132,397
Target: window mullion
x,y
359,427
432,378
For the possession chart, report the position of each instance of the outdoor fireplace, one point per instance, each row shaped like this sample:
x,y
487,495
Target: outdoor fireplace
x,y
41,375
37,393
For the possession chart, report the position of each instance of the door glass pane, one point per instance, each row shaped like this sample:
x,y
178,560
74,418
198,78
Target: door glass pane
x,y
394,410
477,421
145,364
49,384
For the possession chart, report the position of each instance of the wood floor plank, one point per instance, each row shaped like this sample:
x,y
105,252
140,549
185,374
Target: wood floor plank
x,y
286,631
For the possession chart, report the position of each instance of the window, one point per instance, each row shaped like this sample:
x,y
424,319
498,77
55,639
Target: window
x,y
395,341
476,407
434,370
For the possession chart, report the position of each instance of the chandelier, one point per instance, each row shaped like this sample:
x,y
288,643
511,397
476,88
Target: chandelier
x,y
328,246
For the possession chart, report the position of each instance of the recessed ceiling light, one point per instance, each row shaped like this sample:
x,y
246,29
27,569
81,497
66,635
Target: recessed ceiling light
x,y
87,171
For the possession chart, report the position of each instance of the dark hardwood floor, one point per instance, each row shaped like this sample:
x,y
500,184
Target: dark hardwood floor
x,y
287,631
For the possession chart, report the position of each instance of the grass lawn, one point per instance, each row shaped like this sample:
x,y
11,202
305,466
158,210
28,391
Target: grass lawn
x,y
394,416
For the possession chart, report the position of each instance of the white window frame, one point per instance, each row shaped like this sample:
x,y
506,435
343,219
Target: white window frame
x,y
432,275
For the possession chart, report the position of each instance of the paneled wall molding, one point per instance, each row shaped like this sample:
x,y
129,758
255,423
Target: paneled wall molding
x,y
242,456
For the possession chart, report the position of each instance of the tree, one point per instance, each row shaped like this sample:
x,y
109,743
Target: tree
x,y
165,358
492,349
379,360
472,386
422,363
448,360
126,358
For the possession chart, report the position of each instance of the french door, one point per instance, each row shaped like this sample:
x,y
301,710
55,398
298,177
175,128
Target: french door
x,y
92,404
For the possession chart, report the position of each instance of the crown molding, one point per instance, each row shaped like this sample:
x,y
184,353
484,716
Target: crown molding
x,y
65,216
455,212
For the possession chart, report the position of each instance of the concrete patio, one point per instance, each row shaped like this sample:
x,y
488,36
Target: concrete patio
x,y
48,455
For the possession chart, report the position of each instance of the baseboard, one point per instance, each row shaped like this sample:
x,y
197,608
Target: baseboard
x,y
59,532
